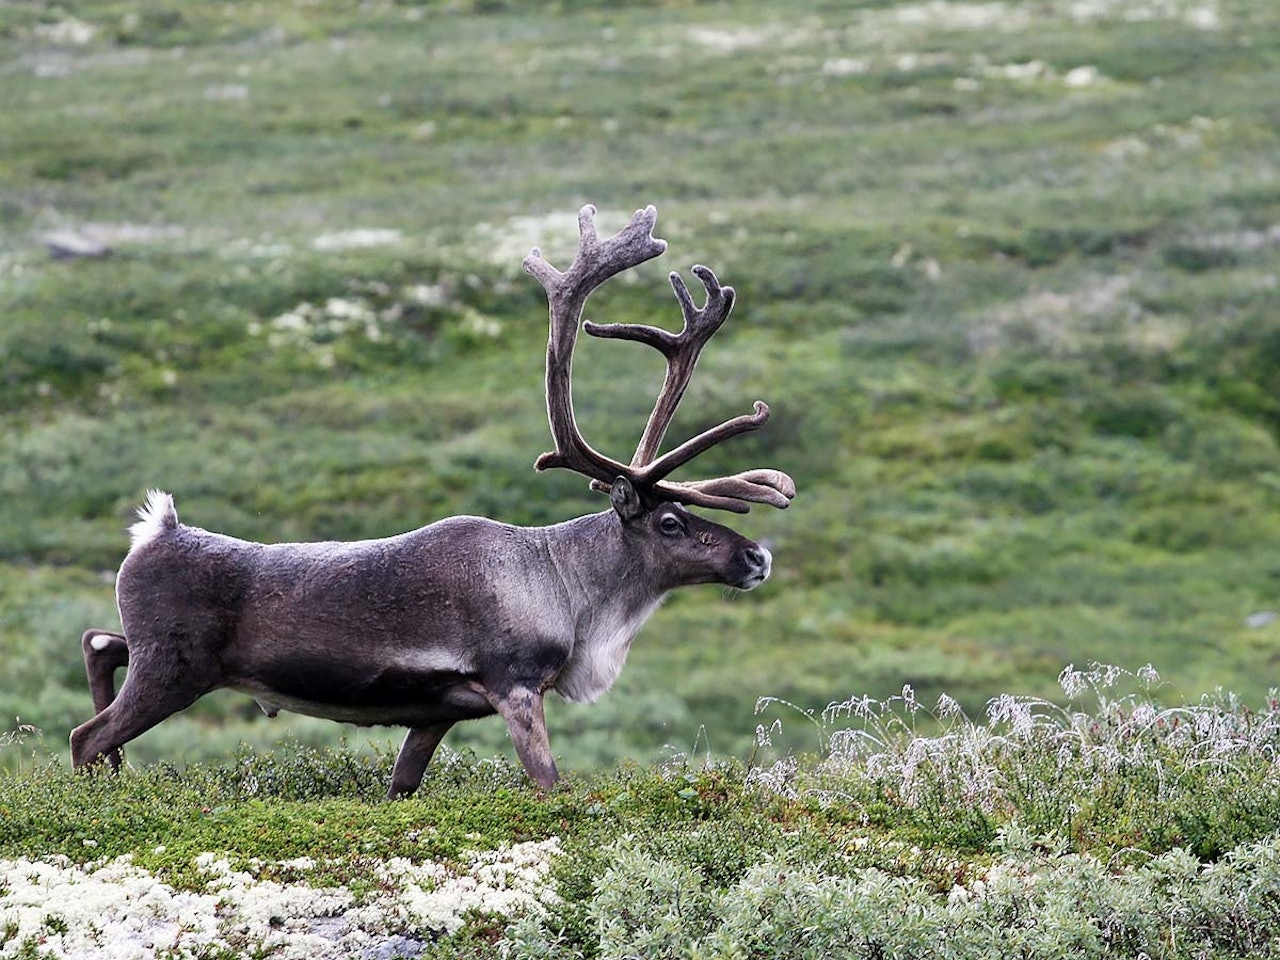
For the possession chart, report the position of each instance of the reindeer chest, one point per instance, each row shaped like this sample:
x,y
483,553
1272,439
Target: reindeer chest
x,y
599,652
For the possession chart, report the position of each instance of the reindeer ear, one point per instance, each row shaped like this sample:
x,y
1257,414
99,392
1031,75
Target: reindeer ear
x,y
625,500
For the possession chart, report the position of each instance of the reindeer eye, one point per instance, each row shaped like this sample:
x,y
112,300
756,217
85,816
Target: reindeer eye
x,y
671,525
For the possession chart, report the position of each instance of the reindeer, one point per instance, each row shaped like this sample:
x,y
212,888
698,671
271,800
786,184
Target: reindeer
x,y
460,619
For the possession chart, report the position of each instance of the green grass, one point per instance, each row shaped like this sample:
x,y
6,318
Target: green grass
x,y
1118,824
1019,330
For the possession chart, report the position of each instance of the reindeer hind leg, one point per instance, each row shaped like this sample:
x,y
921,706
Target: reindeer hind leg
x,y
419,745
105,651
150,693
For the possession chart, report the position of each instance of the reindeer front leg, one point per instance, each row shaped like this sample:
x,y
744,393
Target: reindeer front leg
x,y
521,708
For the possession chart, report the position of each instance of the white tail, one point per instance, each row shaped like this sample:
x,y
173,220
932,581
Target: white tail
x,y
155,517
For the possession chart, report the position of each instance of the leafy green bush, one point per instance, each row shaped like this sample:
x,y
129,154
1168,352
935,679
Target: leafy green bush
x,y
1028,902
1115,828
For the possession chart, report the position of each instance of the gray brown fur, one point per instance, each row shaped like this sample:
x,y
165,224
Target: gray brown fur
x,y
457,620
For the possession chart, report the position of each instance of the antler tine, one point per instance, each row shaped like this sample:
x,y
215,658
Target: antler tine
x,y
704,441
680,349
735,493
567,291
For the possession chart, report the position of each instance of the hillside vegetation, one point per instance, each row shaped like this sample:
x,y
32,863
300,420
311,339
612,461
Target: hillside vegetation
x,y
1007,275
1114,827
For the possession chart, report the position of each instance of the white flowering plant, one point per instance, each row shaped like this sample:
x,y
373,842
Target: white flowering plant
x,y
1112,763
375,319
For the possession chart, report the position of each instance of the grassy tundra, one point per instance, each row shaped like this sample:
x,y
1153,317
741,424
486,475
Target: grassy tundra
x,y
1007,273
1111,827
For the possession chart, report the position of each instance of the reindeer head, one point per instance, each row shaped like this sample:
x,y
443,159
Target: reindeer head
x,y
640,492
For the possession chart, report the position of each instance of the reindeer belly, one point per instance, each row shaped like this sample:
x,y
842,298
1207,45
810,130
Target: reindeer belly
x,y
461,706
401,693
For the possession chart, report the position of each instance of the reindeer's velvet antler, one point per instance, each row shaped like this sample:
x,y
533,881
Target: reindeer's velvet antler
x,y
567,292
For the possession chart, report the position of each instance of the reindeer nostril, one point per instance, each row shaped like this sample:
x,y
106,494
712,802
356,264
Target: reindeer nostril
x,y
757,556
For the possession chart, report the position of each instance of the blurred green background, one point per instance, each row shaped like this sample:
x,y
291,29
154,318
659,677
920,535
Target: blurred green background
x,y
1007,275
